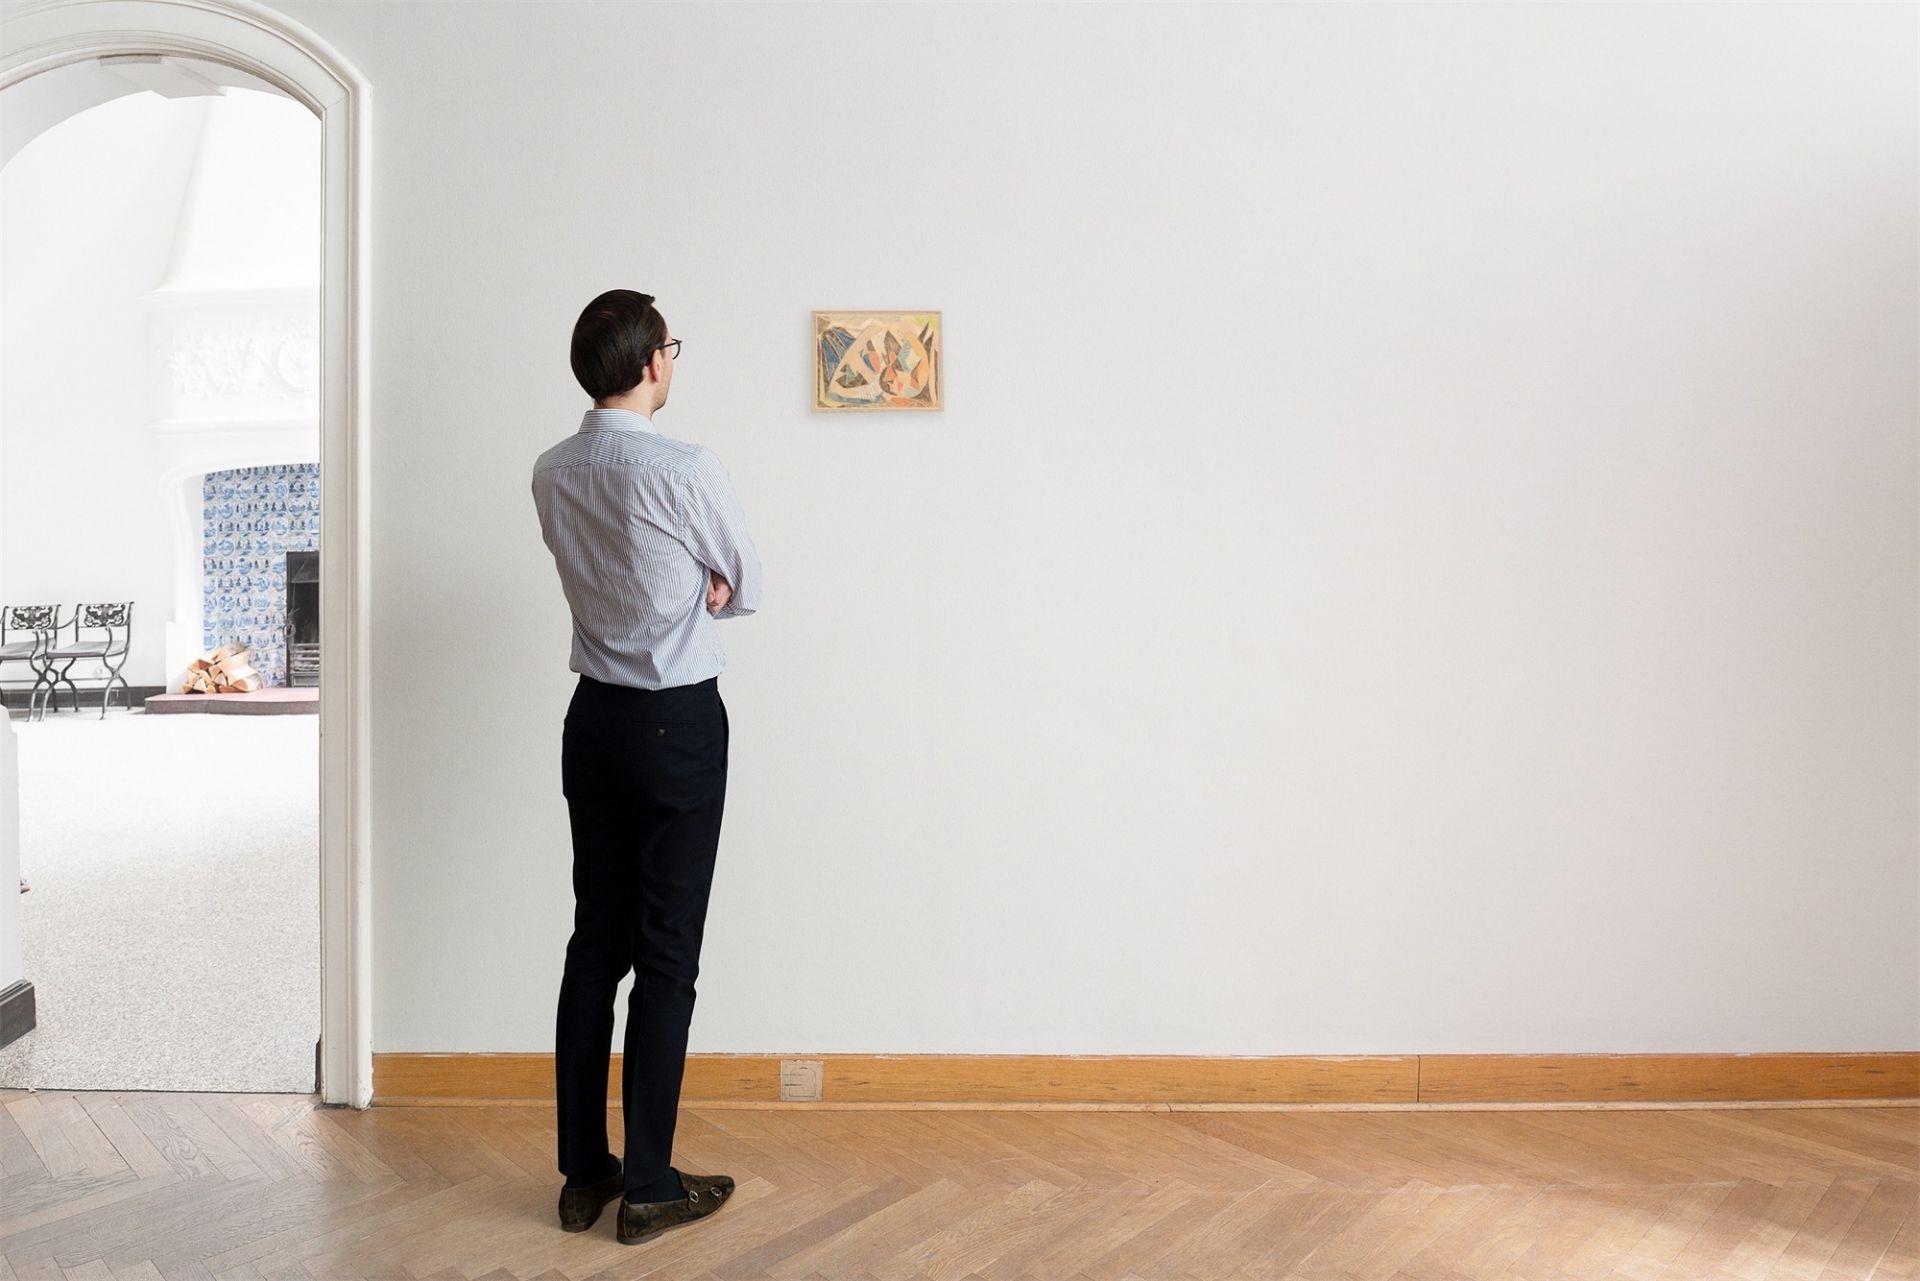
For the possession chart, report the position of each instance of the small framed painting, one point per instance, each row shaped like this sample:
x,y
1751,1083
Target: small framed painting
x,y
876,360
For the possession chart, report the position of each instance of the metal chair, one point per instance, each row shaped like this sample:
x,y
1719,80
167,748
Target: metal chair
x,y
41,621
116,620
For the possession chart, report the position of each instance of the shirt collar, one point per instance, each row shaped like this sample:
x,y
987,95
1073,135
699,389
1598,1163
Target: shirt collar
x,y
598,419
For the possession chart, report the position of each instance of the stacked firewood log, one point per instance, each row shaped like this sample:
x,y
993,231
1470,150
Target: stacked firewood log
x,y
224,671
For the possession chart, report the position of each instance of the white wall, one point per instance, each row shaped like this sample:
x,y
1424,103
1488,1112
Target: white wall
x,y
154,250
89,211
1420,555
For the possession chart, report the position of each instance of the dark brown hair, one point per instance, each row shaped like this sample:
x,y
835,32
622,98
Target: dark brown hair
x,y
613,340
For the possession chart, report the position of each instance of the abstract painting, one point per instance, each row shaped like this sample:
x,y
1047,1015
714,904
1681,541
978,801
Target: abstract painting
x,y
876,360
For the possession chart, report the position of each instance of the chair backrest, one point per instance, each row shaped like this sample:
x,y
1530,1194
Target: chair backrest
x,y
29,618
110,617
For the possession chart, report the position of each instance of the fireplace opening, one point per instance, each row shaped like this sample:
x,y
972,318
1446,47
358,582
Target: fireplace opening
x,y
303,618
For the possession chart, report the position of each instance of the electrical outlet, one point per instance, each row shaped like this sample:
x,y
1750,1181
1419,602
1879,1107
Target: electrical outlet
x,y
800,1080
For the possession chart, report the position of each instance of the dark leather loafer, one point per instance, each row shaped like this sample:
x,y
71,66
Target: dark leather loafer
x,y
705,1194
580,1207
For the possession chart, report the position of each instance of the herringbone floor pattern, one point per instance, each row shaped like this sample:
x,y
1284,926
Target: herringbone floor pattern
x,y
177,1185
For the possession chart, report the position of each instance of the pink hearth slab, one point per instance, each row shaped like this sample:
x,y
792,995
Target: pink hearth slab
x,y
275,700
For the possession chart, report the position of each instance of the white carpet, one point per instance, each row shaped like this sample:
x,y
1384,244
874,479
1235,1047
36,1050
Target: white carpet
x,y
173,922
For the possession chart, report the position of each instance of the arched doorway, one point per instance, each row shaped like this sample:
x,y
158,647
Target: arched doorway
x,y
40,37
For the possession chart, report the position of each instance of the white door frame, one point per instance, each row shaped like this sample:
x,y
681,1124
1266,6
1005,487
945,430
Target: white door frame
x,y
39,35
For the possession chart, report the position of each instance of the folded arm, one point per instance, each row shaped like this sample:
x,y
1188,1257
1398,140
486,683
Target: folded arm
x,y
715,530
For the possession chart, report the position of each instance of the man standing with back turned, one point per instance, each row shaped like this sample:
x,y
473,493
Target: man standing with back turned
x,y
652,549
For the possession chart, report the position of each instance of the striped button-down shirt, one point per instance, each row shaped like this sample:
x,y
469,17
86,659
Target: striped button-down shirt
x,y
636,521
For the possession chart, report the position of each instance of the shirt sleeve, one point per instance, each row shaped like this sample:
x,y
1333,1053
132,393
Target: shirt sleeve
x,y
715,530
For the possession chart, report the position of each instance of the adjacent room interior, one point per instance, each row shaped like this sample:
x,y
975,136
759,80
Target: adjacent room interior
x,y
159,543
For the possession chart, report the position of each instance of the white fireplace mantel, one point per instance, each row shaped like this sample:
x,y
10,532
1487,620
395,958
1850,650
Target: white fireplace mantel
x,y
232,382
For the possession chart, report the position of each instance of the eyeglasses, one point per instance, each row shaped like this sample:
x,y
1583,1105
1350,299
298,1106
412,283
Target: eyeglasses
x,y
673,343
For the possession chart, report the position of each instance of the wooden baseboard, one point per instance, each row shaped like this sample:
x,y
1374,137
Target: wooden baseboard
x,y
933,1080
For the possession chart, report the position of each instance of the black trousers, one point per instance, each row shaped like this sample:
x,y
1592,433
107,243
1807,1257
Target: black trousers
x,y
645,777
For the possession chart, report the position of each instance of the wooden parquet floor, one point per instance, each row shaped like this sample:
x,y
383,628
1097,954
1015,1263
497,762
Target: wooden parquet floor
x,y
145,1186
